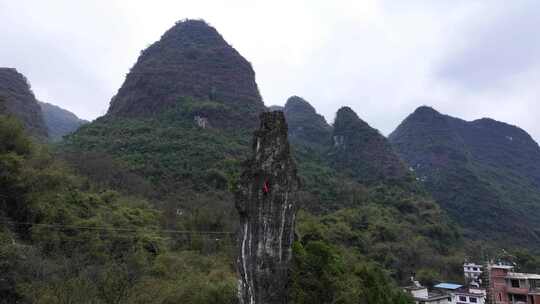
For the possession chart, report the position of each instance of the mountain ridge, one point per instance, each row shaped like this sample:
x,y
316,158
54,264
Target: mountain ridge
x,y
482,166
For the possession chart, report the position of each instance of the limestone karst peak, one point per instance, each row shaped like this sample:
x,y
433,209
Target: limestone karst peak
x,y
306,126
194,68
361,151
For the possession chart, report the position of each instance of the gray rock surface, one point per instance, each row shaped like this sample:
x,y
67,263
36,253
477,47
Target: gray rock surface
x,y
266,200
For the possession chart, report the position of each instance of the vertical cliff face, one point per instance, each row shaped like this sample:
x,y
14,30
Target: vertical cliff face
x,y
266,201
17,99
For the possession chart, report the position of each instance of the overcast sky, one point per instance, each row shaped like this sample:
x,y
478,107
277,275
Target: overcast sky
x,y
469,59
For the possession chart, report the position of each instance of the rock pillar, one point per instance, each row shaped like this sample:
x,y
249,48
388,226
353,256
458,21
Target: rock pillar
x,y
266,200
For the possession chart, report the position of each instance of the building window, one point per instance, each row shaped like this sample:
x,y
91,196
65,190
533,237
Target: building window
x,y
475,269
519,298
473,300
514,283
462,299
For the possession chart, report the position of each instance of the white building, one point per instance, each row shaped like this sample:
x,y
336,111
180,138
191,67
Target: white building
x,y
421,295
472,271
450,293
461,294
459,297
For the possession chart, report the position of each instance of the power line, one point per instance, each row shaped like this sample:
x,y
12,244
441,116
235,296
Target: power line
x,y
122,229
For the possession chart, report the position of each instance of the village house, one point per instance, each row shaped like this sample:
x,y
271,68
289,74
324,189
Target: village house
x,y
472,271
508,287
446,293
450,293
462,294
421,295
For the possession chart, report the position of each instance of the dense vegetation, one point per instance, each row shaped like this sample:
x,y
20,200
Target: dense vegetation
x,y
362,151
484,173
400,228
168,174
306,127
66,237
66,240
376,222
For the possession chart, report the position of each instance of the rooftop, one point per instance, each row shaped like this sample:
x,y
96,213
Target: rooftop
x,y
450,286
472,265
518,275
470,294
501,266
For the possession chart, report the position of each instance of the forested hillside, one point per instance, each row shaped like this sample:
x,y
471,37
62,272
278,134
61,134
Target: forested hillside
x,y
65,239
484,173
188,168
306,127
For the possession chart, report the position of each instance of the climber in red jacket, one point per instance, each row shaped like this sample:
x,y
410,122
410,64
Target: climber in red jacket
x,y
266,188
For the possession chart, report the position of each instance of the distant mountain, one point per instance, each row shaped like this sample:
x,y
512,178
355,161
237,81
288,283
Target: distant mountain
x,y
191,67
60,122
17,99
362,151
485,173
275,108
305,124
